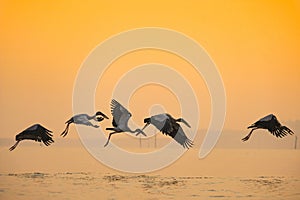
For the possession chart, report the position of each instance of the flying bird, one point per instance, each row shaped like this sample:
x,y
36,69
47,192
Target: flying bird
x,y
169,126
35,132
120,120
84,119
270,123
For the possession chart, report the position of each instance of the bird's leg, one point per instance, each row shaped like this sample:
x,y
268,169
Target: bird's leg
x,y
14,146
109,137
139,131
248,136
65,132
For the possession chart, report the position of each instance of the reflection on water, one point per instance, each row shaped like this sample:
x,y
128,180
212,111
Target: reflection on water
x,y
83,185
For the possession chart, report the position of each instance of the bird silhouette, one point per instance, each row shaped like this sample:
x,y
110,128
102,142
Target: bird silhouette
x,y
270,123
84,119
120,121
169,126
35,132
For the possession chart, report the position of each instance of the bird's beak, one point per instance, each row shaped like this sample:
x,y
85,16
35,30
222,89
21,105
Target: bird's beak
x,y
147,124
104,116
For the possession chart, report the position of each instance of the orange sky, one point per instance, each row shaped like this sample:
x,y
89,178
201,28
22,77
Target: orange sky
x,y
255,45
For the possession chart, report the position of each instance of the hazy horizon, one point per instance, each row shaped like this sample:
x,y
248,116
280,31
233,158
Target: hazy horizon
x,y
229,139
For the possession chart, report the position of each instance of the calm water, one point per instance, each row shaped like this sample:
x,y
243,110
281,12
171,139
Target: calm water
x,y
111,186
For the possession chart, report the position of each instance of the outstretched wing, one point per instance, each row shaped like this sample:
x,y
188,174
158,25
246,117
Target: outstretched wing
x,y
182,139
44,134
281,131
169,127
118,112
277,129
174,130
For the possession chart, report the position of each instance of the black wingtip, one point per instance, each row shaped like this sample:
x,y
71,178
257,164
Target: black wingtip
x,y
113,101
188,144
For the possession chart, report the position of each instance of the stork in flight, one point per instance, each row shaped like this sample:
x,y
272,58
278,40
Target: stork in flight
x,y
35,132
84,119
169,126
270,123
120,120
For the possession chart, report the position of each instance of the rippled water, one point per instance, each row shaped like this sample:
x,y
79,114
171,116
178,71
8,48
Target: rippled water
x,y
114,186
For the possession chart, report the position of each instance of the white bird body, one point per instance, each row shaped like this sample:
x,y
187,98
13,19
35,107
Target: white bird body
x,y
120,120
83,119
169,126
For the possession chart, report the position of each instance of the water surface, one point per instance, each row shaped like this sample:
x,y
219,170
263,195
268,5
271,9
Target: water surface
x,y
85,185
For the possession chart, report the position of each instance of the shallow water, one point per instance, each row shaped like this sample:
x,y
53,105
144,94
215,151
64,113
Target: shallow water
x,y
83,185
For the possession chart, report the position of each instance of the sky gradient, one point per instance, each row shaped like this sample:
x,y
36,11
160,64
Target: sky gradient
x,y
255,45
